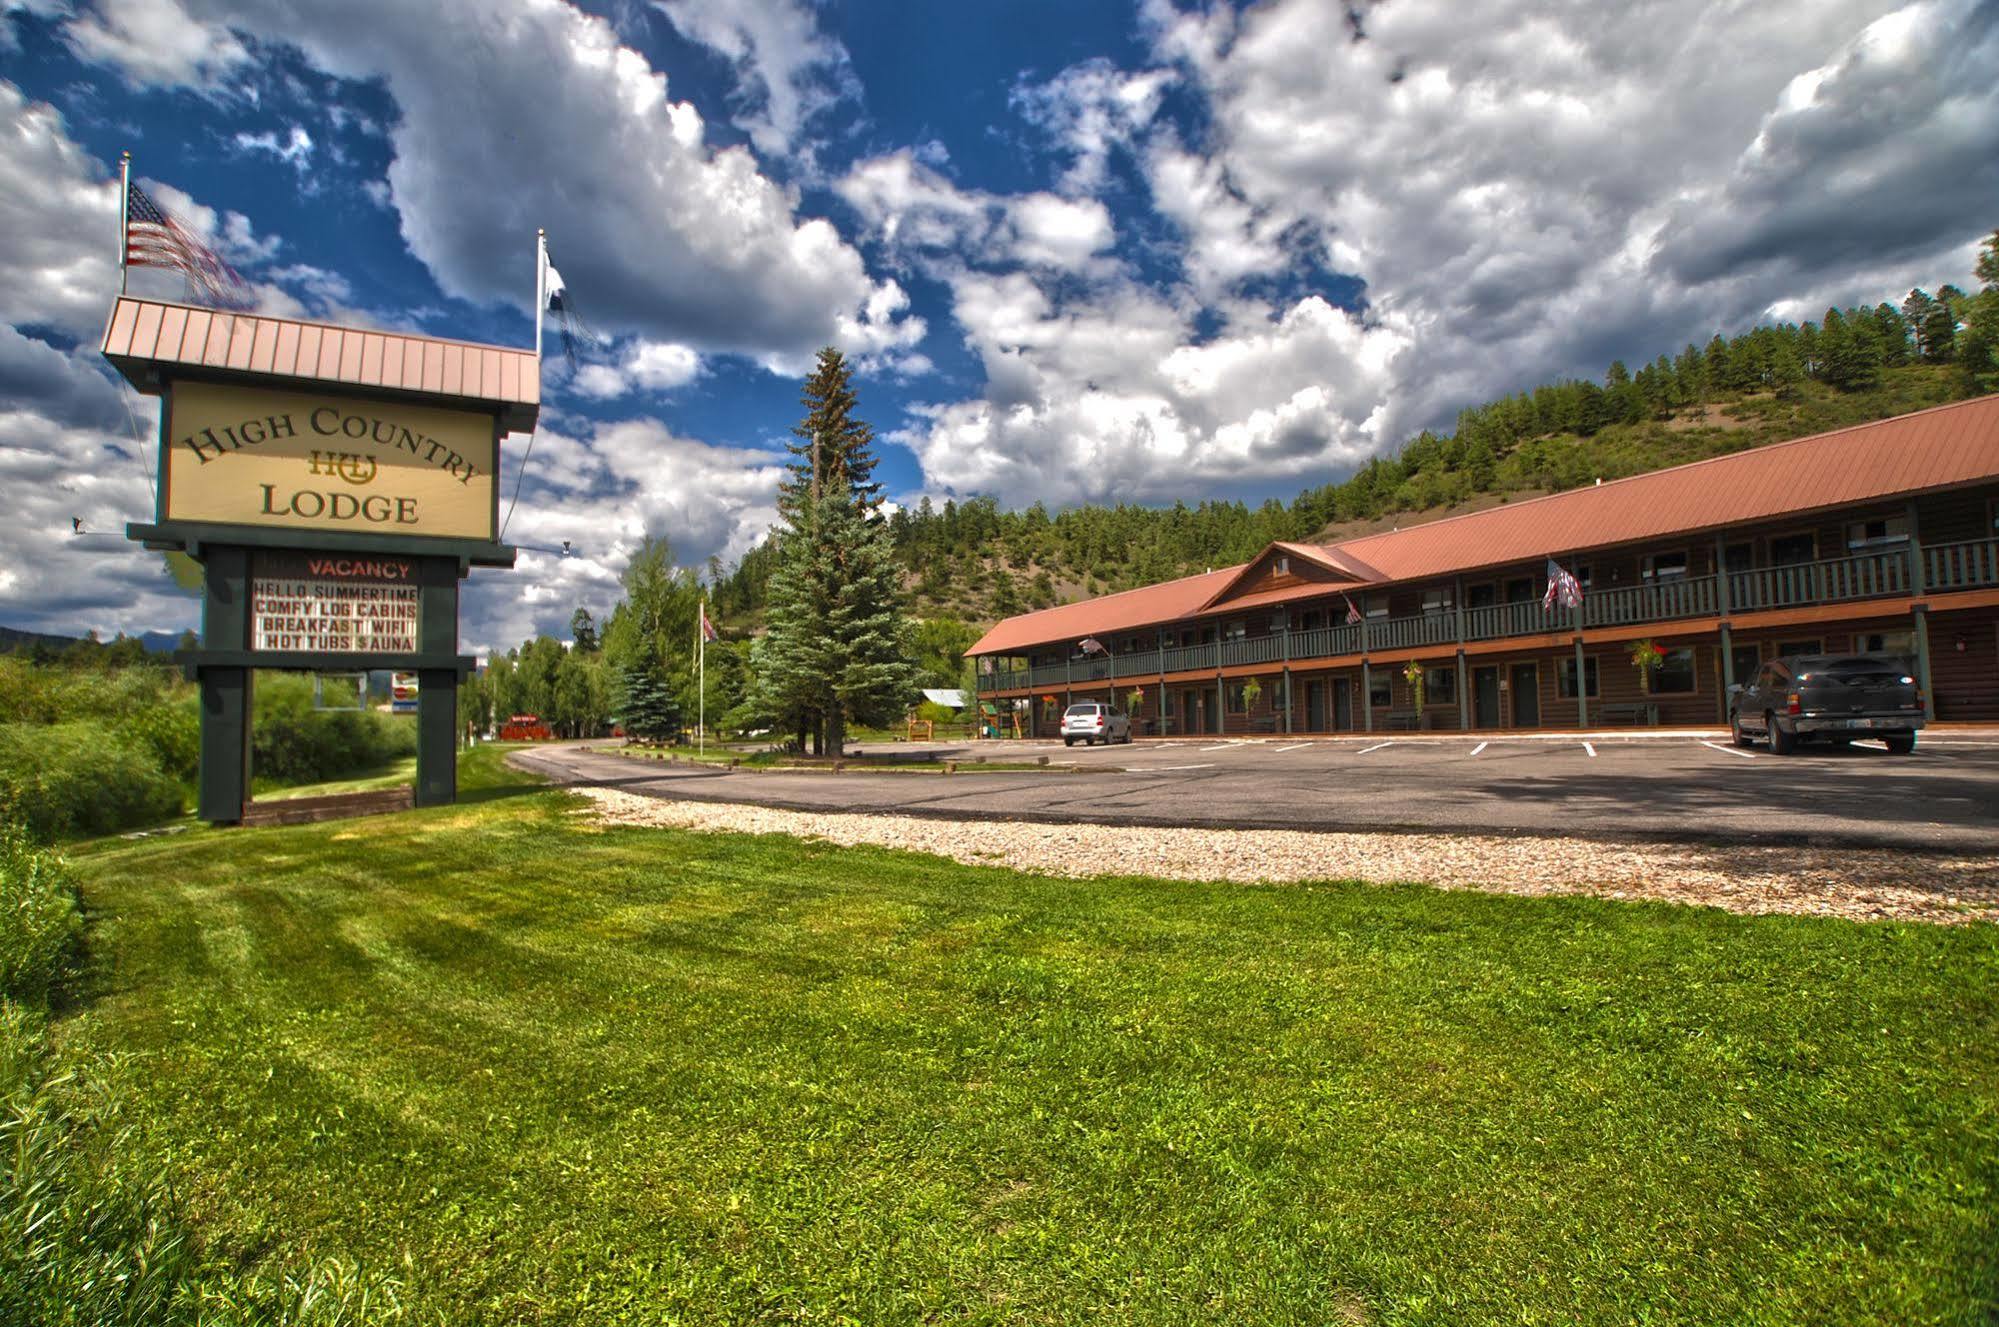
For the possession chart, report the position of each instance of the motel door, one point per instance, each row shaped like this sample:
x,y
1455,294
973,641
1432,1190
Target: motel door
x,y
1315,707
1525,685
1342,705
1485,697
1188,701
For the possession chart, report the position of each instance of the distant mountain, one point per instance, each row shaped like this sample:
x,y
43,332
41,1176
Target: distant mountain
x,y
14,639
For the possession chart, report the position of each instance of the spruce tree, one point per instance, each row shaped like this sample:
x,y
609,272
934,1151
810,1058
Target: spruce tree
x,y
837,646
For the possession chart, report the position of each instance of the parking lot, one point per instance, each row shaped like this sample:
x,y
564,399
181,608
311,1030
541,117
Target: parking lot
x,y
1692,787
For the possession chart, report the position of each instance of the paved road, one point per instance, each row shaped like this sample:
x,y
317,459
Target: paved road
x,y
1684,788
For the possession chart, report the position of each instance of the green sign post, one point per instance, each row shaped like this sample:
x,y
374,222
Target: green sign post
x,y
336,485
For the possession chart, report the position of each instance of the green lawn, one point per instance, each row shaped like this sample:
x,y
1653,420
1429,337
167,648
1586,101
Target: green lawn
x,y
548,1074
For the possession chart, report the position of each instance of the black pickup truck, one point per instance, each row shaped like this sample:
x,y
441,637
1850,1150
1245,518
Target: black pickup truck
x,y
1828,698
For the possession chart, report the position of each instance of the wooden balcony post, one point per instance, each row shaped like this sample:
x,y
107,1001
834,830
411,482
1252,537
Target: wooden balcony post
x,y
1221,698
1366,691
1720,578
1162,681
1464,691
1582,685
1918,576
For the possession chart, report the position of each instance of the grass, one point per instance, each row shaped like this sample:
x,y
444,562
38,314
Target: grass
x,y
548,1073
481,769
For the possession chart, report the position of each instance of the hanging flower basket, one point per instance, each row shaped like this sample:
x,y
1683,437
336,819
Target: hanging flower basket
x,y
1646,656
1251,690
1413,675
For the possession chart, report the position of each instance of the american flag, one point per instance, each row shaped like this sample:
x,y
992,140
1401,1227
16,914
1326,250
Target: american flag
x,y
154,239
1091,645
708,631
1353,614
1562,588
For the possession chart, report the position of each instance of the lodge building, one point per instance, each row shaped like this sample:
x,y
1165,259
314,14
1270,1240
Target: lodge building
x,y
1881,538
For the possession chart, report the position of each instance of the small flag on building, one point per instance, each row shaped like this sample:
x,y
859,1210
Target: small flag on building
x,y
1562,588
1353,614
1091,645
153,238
708,631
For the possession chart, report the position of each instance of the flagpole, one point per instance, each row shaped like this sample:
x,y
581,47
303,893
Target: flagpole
x,y
124,214
540,286
701,681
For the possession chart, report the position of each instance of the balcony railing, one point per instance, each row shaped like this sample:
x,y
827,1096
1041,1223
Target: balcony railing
x,y
1970,564
1965,566
1661,601
1833,580
1527,618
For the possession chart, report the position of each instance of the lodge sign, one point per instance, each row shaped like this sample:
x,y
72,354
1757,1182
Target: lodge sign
x,y
303,461
333,603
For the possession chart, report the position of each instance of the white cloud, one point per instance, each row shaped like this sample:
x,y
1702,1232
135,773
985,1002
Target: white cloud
x,y
535,110
295,150
603,490
645,366
1090,111
916,209
787,70
156,44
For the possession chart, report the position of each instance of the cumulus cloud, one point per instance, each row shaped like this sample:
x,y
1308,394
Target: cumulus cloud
x,y
536,111
157,44
915,208
787,71
646,366
603,488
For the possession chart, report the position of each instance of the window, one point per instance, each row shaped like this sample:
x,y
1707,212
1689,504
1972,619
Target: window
x,y
1521,590
1743,658
1788,550
1279,621
1787,648
1674,677
1565,678
1281,566
1481,596
1902,643
1582,574
1237,630
1879,532
1739,557
1380,692
1440,685
1437,601
1375,605
1311,620
1207,635
1233,694
1665,566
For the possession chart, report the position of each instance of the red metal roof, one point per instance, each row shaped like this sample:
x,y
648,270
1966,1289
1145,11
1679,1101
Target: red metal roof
x,y
1938,448
146,339
1147,606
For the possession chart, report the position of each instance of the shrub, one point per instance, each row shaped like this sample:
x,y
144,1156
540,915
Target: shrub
x,y
291,742
81,777
39,918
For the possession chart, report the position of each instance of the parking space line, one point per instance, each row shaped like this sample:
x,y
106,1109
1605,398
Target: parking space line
x,y
1223,747
1591,748
1480,747
1730,750
1376,747
1300,747
1209,765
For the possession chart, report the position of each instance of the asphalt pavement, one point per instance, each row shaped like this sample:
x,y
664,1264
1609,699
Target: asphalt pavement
x,y
1664,787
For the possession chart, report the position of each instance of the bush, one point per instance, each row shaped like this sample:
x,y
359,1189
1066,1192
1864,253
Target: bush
x,y
291,742
39,918
81,777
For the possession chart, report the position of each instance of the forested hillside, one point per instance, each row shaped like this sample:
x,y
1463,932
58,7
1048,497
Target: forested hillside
x,y
970,563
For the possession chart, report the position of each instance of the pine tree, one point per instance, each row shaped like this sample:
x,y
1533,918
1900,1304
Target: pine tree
x,y
647,705
583,631
837,648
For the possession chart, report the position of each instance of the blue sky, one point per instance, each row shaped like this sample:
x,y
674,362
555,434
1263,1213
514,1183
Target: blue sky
x,y
1152,251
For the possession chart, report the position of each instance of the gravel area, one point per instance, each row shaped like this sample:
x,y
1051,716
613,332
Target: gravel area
x,y
1858,884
